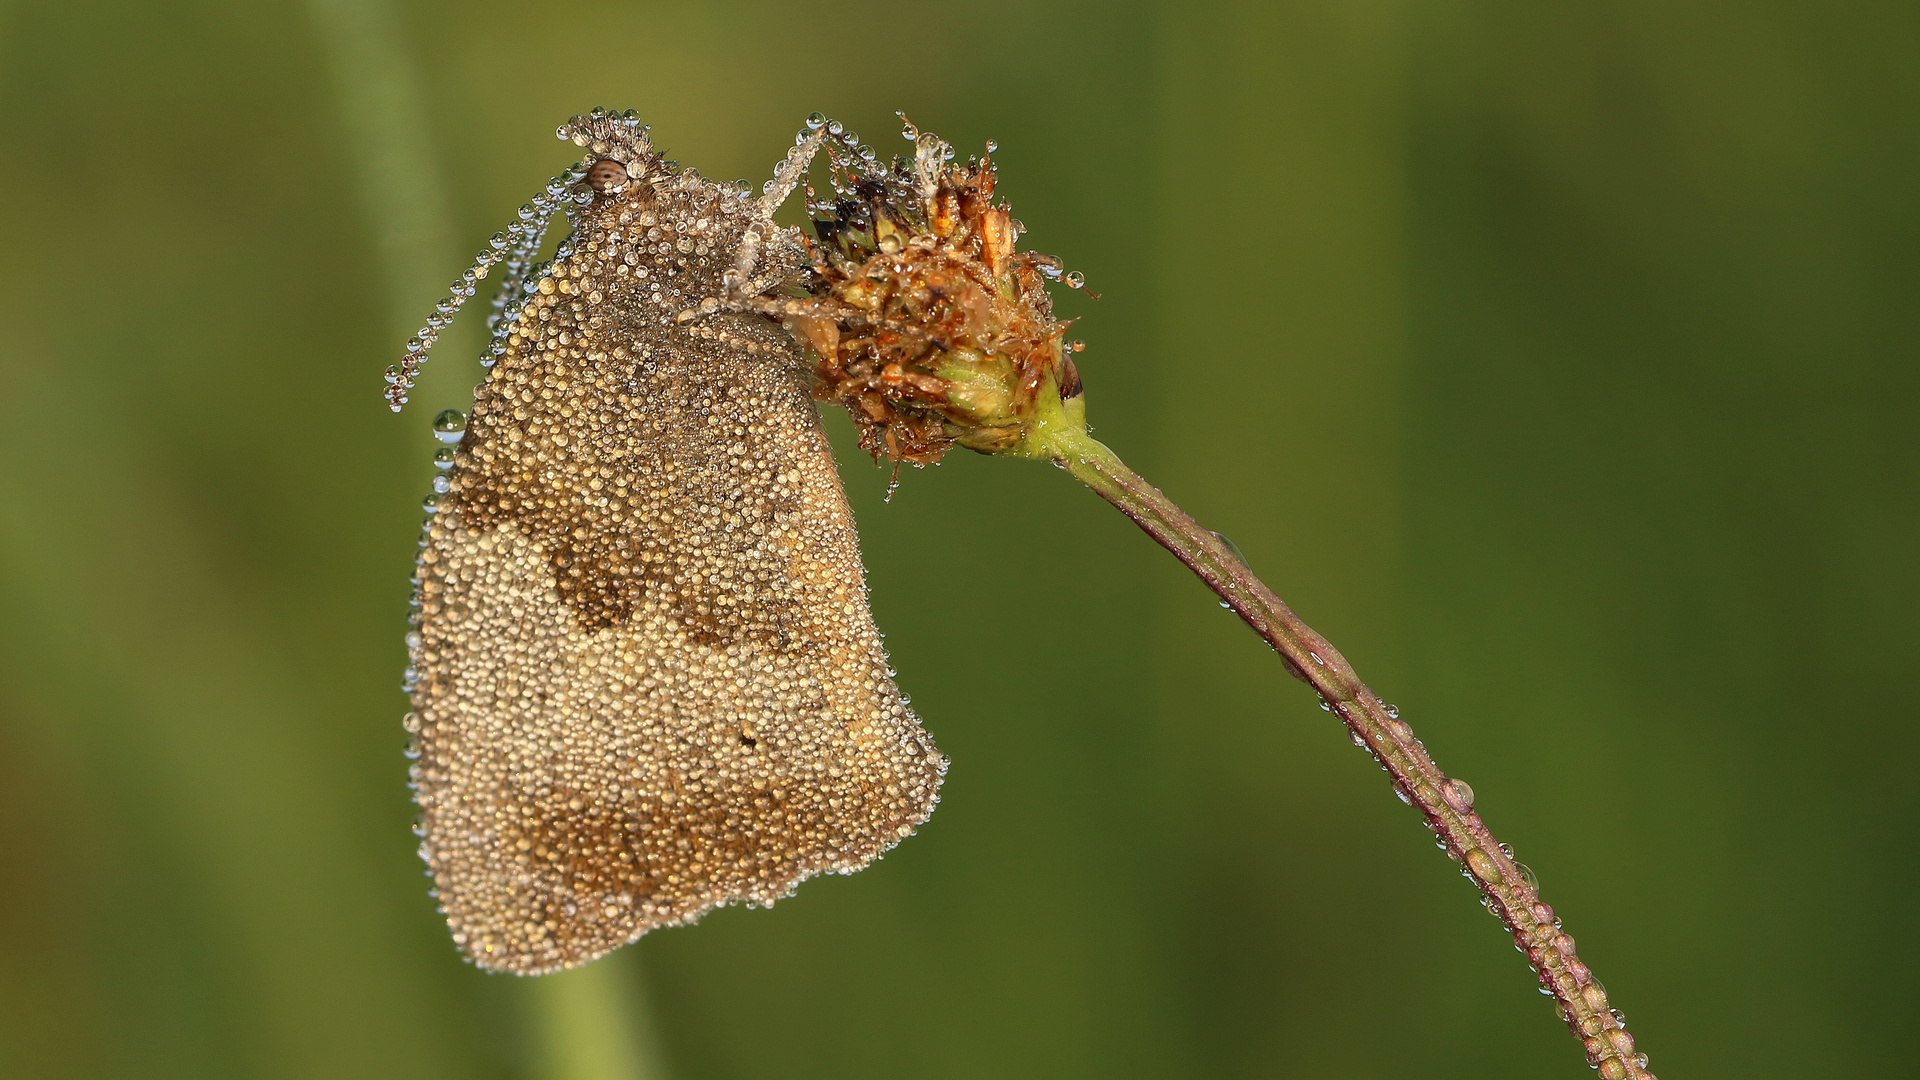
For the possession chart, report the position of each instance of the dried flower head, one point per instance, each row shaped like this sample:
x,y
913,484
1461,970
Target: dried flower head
x,y
925,322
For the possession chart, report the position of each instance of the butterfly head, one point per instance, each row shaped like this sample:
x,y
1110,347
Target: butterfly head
x,y
620,156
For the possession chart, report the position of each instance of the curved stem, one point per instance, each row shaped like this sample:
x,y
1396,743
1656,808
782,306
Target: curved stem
x,y
1447,804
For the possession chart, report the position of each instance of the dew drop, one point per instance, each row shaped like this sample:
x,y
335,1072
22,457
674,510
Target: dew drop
x,y
1482,865
816,120
1231,547
1393,712
443,458
1075,279
450,425
1459,795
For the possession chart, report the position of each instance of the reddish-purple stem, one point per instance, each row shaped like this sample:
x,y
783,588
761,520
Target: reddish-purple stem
x,y
1448,805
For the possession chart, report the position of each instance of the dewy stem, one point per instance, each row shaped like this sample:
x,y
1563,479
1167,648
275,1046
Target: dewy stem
x,y
1059,434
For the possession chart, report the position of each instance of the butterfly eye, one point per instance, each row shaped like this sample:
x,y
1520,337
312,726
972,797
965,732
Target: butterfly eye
x,y
607,175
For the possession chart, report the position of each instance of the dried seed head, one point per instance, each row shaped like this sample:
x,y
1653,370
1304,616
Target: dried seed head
x,y
645,678
926,324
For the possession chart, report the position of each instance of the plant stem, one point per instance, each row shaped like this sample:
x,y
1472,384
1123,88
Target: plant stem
x,y
591,1023
1509,889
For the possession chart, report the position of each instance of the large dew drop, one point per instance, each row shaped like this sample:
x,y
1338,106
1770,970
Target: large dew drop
x,y
450,425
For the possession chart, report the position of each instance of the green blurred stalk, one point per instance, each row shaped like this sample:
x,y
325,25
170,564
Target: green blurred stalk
x,y
385,122
589,1021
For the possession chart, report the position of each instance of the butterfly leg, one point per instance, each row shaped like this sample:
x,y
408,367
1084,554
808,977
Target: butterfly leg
x,y
742,281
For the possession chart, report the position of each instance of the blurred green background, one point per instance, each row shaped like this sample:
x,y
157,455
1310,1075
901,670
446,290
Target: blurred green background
x,y
1556,361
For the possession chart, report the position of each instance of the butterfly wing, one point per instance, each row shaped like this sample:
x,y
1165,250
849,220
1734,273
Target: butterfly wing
x,y
648,681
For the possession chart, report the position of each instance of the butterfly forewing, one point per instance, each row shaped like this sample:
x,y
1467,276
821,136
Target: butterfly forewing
x,y
648,682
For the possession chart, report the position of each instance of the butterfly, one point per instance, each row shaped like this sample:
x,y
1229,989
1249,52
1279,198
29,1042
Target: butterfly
x,y
644,676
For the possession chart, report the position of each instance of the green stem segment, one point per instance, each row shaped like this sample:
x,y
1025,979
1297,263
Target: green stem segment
x,y
592,1023
1058,433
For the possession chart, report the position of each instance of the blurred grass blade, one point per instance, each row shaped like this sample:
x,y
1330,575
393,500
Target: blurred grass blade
x,y
592,1023
382,111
